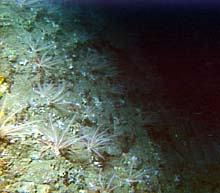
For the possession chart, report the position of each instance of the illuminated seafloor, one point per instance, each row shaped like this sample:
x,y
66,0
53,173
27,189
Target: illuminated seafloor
x,y
107,100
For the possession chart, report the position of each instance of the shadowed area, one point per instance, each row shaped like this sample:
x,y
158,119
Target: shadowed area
x,y
175,52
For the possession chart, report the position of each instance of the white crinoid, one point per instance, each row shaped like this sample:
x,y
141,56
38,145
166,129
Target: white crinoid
x,y
134,176
95,142
50,94
44,63
9,125
56,139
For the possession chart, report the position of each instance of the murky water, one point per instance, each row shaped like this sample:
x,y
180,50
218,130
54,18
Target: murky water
x,y
148,74
173,52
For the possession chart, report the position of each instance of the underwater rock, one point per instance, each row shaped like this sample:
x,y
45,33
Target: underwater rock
x,y
114,149
41,171
27,187
3,86
43,188
12,58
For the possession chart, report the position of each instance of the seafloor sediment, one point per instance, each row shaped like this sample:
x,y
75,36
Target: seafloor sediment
x,y
66,124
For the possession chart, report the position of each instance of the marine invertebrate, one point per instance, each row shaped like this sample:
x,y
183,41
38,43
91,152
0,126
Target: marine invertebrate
x,y
96,141
58,139
50,95
105,184
36,45
40,58
91,64
43,64
133,176
9,126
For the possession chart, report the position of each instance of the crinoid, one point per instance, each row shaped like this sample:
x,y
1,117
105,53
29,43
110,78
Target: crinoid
x,y
51,96
105,184
134,176
40,54
44,63
36,45
9,125
96,141
58,139
91,64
